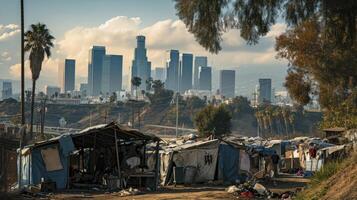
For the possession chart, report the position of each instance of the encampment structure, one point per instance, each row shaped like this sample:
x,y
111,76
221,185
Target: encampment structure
x,y
100,156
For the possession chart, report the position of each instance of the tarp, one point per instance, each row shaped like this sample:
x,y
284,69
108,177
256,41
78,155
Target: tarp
x,y
205,161
39,170
228,163
244,161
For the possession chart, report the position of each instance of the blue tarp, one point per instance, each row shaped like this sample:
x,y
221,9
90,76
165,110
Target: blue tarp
x,y
228,163
39,170
33,166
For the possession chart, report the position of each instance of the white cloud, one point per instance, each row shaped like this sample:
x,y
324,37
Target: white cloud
x,y
48,73
5,56
7,31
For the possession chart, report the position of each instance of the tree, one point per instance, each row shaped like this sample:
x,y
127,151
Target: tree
x,y
213,121
38,41
113,98
208,20
149,83
158,85
321,66
136,81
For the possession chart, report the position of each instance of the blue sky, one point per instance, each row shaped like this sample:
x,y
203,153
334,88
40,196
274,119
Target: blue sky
x,y
78,24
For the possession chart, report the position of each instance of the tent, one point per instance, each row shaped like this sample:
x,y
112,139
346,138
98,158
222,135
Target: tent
x,y
201,155
50,160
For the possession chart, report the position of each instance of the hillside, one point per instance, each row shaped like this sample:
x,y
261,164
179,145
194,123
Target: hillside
x,y
342,184
244,120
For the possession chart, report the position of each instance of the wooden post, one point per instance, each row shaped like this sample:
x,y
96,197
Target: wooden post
x,y
117,154
157,164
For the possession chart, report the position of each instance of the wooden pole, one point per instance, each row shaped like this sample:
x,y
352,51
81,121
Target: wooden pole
x,y
157,164
117,154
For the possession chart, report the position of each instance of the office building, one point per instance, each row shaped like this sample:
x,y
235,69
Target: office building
x,y
159,74
205,78
200,61
67,74
52,91
141,67
112,74
95,68
264,91
186,72
172,66
227,81
6,89
83,88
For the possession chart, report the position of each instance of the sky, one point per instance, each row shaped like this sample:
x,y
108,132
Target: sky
x,y
79,24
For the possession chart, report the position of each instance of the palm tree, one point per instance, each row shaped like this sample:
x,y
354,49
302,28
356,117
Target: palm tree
x,y
38,41
136,81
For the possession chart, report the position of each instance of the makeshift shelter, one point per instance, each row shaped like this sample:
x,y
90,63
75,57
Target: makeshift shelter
x,y
233,162
189,163
104,152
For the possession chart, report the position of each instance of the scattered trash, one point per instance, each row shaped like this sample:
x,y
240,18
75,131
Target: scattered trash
x,y
260,189
232,189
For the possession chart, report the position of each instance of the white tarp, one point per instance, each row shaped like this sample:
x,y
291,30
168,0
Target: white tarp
x,y
244,161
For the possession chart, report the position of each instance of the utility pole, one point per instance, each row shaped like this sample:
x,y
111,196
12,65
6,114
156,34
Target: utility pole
x,y
43,116
22,66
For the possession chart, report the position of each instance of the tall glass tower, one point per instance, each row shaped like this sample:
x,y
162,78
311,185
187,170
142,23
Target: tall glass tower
x,y
172,65
67,71
186,72
200,61
112,73
141,67
95,68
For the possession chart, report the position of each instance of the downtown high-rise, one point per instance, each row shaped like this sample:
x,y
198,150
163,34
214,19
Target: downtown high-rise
x,y
67,75
172,68
141,67
227,80
205,78
186,72
112,74
95,69
264,91
200,61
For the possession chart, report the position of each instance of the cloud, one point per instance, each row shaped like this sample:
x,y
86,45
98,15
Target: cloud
x,y
5,56
7,31
48,73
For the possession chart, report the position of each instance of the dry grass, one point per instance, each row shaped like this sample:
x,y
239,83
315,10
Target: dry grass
x,y
337,180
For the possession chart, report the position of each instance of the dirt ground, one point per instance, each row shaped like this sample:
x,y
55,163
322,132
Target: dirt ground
x,y
283,184
200,192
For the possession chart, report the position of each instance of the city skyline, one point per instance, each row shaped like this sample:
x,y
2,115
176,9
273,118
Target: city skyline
x,y
117,30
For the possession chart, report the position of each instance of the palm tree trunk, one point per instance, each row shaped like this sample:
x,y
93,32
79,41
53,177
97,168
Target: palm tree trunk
x,y
32,107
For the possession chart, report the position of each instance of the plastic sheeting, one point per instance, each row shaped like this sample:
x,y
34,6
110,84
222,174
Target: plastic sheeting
x,y
228,163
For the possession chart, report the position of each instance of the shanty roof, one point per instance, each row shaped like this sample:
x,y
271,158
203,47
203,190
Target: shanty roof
x,y
103,134
335,129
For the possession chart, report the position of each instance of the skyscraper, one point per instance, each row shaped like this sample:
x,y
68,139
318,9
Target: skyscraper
x,y
186,72
227,81
200,61
205,78
52,91
172,65
112,73
159,74
95,68
141,67
6,89
67,71
264,90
